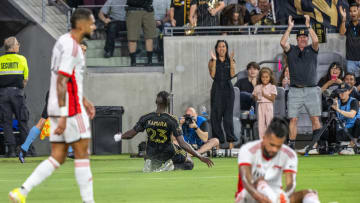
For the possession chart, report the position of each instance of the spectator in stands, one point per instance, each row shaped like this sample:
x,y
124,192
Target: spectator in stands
x,y
205,15
331,81
14,74
263,15
196,133
251,6
333,77
302,62
235,14
265,93
347,111
228,2
113,16
140,14
284,80
352,32
162,19
179,12
222,69
349,79
246,86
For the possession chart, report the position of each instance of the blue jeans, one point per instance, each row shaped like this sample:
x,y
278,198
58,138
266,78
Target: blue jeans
x,y
353,67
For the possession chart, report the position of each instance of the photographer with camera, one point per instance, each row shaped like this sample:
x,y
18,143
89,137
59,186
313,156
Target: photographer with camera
x,y
347,111
195,131
350,79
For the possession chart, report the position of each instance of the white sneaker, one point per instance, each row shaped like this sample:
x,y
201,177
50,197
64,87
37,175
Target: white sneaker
x,y
347,151
302,151
313,152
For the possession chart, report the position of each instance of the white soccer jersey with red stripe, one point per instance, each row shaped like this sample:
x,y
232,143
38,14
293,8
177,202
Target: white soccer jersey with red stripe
x,y
67,59
271,169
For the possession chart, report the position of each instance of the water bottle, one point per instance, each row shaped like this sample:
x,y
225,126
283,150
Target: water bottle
x,y
203,111
251,112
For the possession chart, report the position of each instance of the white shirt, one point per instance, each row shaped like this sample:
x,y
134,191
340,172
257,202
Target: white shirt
x,y
271,169
67,59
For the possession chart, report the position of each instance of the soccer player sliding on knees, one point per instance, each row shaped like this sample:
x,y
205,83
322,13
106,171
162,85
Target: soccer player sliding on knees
x,y
160,126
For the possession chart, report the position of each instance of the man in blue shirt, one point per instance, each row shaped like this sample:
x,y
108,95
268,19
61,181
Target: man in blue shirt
x,y
347,111
196,132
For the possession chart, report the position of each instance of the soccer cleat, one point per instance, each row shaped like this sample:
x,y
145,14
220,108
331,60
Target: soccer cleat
x,y
347,151
22,155
15,196
168,166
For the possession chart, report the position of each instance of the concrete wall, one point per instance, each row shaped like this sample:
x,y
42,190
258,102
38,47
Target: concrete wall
x,y
187,58
36,46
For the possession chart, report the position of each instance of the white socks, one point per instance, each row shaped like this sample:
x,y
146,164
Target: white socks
x,y
311,197
84,179
44,170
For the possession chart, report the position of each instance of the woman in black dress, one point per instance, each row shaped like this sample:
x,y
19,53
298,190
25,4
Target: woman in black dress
x,y
222,69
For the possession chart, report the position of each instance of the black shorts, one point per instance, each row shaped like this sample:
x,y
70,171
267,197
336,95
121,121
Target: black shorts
x,y
44,113
160,152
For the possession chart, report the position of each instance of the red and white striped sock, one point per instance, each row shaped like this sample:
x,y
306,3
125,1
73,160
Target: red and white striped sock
x,y
84,179
44,170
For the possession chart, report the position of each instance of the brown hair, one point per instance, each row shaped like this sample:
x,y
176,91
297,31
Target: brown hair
x,y
270,72
282,76
252,64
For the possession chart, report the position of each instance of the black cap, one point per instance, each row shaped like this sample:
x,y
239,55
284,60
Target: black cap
x,y
302,32
343,87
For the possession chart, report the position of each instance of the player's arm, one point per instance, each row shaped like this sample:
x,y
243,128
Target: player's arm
x,y
290,181
90,109
247,180
180,140
61,85
139,127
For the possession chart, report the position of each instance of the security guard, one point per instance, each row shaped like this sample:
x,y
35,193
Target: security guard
x,y
13,78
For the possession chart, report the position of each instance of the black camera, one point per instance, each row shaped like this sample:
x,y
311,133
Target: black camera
x,y
188,119
330,96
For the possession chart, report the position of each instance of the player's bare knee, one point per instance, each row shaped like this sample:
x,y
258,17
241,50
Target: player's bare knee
x,y
215,141
81,154
293,120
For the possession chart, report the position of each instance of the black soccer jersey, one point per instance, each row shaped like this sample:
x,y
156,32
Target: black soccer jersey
x,y
159,127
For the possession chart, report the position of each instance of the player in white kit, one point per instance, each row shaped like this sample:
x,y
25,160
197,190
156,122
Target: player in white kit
x,y
262,164
69,111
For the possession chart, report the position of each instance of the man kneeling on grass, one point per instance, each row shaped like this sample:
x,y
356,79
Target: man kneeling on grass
x,y
262,164
160,126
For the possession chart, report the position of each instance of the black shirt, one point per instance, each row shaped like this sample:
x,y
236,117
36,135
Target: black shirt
x,y
245,85
302,66
222,71
204,18
354,105
325,80
159,128
355,94
352,42
181,15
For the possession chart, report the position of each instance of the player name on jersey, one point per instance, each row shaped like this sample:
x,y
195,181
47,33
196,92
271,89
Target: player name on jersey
x,y
157,123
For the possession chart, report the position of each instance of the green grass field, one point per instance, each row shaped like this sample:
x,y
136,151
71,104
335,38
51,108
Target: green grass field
x,y
120,179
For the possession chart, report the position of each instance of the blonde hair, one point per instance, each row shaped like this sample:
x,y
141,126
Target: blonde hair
x,y
9,43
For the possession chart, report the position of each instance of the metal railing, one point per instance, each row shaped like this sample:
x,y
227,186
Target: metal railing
x,y
219,30
62,6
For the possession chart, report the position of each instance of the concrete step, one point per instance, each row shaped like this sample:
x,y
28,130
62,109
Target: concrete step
x,y
115,61
96,53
